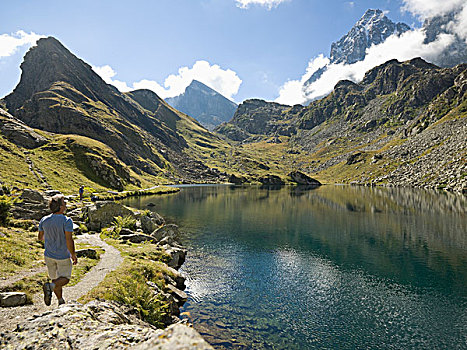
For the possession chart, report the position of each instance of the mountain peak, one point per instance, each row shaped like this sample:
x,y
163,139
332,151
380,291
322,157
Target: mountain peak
x,y
372,28
204,104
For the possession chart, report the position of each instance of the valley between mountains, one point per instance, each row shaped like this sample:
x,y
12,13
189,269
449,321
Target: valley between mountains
x,y
404,124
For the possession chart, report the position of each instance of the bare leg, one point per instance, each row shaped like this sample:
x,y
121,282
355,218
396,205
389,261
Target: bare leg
x,y
59,283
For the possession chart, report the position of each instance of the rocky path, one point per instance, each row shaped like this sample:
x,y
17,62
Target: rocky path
x,y
110,260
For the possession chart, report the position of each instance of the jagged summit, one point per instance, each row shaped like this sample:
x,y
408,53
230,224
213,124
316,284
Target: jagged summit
x,y
372,29
204,104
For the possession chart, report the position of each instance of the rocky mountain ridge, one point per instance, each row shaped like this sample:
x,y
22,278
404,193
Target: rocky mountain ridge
x,y
204,104
403,115
60,93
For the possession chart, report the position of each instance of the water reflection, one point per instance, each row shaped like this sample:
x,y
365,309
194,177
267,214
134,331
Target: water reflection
x,y
335,266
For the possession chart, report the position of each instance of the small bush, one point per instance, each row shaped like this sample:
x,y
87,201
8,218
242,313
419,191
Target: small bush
x,y
125,222
133,291
5,206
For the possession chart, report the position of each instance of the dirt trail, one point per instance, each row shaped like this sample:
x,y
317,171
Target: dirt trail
x,y
110,260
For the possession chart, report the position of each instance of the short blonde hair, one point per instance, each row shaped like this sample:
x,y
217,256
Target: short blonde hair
x,y
56,202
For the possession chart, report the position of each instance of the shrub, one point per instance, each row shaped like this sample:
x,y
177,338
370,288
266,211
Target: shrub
x,y
125,222
133,290
5,206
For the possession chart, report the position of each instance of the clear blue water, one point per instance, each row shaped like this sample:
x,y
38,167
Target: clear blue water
x,y
337,267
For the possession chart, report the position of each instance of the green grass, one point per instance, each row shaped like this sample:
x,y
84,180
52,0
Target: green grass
x,y
19,250
127,285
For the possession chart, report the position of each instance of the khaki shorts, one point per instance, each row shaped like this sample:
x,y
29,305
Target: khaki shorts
x,y
58,268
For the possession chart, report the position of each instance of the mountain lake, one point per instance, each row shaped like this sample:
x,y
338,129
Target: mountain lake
x,y
336,267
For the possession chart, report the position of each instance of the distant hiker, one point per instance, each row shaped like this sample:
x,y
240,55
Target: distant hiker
x,y
81,193
56,230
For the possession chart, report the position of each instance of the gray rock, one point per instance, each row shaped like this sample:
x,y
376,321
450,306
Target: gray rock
x,y
271,180
170,230
18,132
177,277
30,195
126,232
87,253
102,214
176,337
303,179
177,256
51,193
179,295
137,238
148,224
237,180
97,325
10,299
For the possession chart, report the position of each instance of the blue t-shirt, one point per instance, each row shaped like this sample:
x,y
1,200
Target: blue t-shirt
x,y
54,227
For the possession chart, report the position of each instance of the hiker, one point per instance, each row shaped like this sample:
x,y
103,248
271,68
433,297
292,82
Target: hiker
x,y
81,193
56,230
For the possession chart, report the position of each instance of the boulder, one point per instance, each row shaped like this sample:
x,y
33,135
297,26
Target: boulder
x,y
303,179
87,253
176,337
177,256
170,230
32,196
137,238
32,206
148,224
126,232
102,214
10,299
97,325
354,158
179,295
237,180
271,180
176,276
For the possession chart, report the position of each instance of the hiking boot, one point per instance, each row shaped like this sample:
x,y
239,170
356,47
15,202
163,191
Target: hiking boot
x,y
61,301
47,293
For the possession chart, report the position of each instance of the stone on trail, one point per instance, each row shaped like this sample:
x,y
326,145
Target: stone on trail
x,y
10,299
87,253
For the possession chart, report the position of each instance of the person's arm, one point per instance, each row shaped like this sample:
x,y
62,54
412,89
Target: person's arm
x,y
70,243
40,236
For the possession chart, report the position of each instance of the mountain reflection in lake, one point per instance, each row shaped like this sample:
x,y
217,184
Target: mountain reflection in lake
x,y
333,267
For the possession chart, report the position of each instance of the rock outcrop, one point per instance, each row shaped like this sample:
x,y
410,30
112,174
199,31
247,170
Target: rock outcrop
x,y
98,325
102,214
18,132
303,179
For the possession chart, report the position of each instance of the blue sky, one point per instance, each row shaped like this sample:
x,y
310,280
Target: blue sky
x,y
249,51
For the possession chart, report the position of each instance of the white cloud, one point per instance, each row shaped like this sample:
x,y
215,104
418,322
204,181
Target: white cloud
x,y
460,27
292,91
107,73
407,46
224,81
431,8
10,43
245,4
